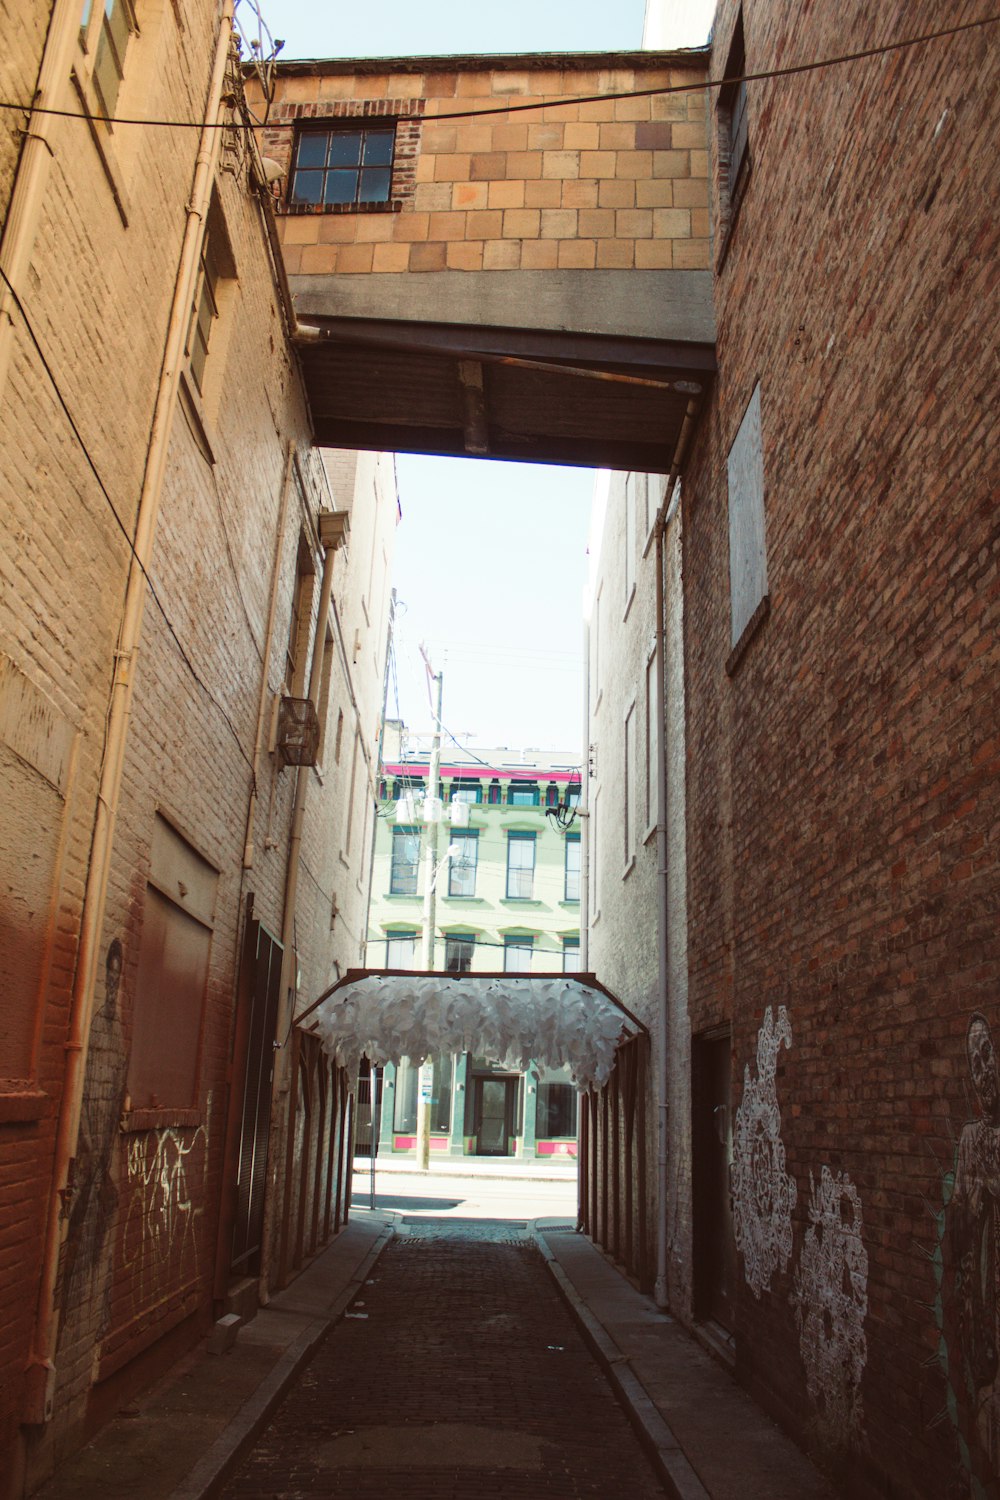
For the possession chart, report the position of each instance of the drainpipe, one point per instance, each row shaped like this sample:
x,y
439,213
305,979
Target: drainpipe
x,y
29,192
664,516
272,606
41,1373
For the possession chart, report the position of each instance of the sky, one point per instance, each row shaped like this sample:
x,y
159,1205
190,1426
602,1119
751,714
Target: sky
x,y
491,558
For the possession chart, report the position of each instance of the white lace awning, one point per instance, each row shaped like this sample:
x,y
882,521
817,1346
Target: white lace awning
x,y
556,1020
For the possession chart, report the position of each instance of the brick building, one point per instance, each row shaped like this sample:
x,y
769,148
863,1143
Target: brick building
x,y
826,986
189,596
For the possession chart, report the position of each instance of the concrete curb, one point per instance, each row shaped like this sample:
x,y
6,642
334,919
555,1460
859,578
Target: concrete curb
x,y
218,1462
653,1431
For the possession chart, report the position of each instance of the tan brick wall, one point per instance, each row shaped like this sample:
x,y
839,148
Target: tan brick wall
x,y
609,184
98,296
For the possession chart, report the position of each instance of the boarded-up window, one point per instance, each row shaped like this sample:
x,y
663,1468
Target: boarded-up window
x,y
172,975
747,554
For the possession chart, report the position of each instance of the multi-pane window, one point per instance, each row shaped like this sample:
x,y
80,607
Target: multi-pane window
x,y
517,955
747,548
463,789
493,793
400,948
630,529
571,955
405,865
343,167
733,118
628,785
117,23
458,950
520,866
462,867
523,794
571,887
204,312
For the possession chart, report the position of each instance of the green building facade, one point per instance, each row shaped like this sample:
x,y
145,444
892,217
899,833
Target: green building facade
x,y
507,899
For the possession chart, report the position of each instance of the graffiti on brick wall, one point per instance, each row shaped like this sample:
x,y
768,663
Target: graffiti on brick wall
x,y
967,1269
830,1288
166,1176
830,1298
763,1192
86,1272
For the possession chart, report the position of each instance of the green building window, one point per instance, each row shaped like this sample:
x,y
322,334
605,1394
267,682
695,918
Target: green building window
x,y
405,864
462,866
520,866
517,955
571,885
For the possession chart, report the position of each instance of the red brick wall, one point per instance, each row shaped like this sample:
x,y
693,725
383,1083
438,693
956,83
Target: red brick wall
x,y
842,783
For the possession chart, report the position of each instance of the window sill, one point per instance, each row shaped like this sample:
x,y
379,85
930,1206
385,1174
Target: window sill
x,y
628,604
520,901
468,900
401,896
574,905
297,210
750,629
134,1120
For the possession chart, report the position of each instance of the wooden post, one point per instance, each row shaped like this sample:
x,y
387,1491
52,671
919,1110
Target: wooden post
x,y
286,1210
582,1164
330,1126
645,1281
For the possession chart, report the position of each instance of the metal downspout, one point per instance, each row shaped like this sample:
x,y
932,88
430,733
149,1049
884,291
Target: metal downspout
x,y
665,513
41,1366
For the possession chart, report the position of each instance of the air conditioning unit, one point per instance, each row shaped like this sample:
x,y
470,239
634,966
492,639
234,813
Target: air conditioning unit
x,y
297,732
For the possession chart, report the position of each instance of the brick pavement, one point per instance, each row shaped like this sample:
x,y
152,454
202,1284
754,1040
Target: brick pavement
x,y
458,1368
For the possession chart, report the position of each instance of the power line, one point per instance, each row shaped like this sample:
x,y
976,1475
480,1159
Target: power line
x,y
791,71
120,523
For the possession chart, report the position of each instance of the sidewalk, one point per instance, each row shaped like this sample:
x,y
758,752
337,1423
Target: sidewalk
x,y
185,1434
504,1168
707,1438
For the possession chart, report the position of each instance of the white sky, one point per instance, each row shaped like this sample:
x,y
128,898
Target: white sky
x,y
490,558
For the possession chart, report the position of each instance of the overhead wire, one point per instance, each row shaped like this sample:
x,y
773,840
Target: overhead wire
x,y
762,75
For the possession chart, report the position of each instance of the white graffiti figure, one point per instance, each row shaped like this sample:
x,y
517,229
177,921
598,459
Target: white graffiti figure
x,y
763,1192
831,1302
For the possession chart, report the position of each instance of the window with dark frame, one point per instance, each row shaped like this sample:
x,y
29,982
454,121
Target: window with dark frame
x,y
400,950
116,26
204,312
571,955
523,794
405,864
517,954
571,886
462,866
520,866
343,166
458,950
733,119
466,789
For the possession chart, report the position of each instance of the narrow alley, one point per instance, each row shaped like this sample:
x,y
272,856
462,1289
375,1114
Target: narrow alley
x,y
456,1369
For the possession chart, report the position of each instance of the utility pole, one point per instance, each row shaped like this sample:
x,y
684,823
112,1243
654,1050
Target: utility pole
x,y
427,943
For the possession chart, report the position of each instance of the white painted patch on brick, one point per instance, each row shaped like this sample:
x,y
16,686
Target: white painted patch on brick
x,y
763,1192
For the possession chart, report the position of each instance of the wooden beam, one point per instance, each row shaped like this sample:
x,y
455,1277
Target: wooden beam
x,y
476,424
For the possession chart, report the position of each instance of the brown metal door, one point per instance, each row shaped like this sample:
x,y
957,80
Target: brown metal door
x,y
713,1149
260,981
